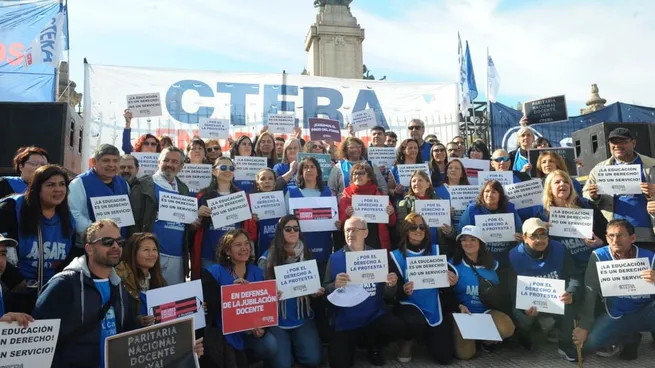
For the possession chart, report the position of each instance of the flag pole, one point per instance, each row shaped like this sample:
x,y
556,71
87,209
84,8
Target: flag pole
x,y
68,50
488,89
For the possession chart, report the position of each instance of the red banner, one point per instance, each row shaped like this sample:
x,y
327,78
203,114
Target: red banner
x,y
313,213
174,310
249,306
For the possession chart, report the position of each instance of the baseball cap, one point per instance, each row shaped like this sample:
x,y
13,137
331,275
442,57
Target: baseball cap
x,y
9,242
471,230
533,224
622,133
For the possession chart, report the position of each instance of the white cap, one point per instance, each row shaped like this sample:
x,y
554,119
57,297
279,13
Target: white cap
x,y
473,231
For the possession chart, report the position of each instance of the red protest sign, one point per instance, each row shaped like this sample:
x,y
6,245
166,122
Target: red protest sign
x,y
249,306
313,213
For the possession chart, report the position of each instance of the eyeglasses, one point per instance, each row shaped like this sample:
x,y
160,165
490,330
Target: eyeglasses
x,y
615,236
109,241
415,227
288,229
359,173
501,159
352,230
538,237
212,149
224,167
35,163
150,143
414,127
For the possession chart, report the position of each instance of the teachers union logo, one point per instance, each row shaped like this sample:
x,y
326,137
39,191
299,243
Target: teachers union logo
x,y
510,138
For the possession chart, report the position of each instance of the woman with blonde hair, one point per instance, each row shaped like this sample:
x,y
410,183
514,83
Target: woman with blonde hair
x,y
287,168
549,161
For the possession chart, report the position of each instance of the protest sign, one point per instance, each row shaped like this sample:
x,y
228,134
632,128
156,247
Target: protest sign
x,y
177,301
249,306
268,205
372,208
405,171
147,163
364,119
382,156
623,277
196,176
297,279
368,266
618,179
31,346
177,208
546,110
324,161
116,208
498,227
436,212
462,195
248,166
503,177
472,167
315,213
281,123
567,153
541,293
428,272
324,130
144,105
229,209
209,128
571,222
525,194
477,326
166,345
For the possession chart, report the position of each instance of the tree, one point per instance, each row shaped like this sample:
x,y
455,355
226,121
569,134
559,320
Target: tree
x,y
367,75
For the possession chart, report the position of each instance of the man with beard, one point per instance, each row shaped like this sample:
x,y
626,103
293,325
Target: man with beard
x,y
174,247
129,168
416,129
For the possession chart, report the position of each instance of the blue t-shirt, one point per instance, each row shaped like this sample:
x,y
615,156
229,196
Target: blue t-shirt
x,y
519,161
108,325
632,207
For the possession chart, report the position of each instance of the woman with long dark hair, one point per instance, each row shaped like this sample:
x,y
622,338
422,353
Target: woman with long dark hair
x,y
26,161
479,151
407,154
243,147
265,147
455,175
41,222
265,181
438,162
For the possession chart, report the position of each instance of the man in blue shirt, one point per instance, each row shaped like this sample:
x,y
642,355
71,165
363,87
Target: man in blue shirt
x,y
416,130
21,318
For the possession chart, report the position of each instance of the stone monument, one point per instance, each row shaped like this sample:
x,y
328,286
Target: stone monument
x,y
334,42
595,102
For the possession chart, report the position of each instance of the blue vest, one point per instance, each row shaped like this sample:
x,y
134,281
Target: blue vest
x,y
426,300
466,289
94,187
245,185
345,167
632,207
170,234
321,241
16,183
425,151
281,168
224,277
551,267
352,318
56,246
519,160
211,236
617,306
266,233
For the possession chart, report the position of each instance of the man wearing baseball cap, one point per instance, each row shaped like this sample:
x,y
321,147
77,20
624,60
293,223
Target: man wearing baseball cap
x,y
630,207
539,256
22,318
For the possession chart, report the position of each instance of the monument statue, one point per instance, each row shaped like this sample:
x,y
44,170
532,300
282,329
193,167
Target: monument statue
x,y
320,3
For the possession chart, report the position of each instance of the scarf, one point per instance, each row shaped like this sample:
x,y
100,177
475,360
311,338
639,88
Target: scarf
x,y
159,179
367,189
299,254
302,302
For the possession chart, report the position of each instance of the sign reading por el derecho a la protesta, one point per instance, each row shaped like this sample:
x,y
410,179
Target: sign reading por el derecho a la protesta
x,y
546,110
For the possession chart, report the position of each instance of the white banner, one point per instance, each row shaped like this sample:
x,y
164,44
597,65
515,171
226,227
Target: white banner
x,y
623,277
472,167
382,156
525,194
147,163
177,208
144,105
363,120
462,195
196,176
248,166
428,272
229,209
503,177
268,205
315,213
618,179
436,212
297,279
571,222
541,293
405,172
117,208
177,301
367,266
372,208
213,128
281,124
499,227
33,346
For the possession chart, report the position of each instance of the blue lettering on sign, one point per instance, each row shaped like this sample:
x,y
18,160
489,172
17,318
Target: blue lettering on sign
x,y
47,40
272,103
174,101
270,229
238,92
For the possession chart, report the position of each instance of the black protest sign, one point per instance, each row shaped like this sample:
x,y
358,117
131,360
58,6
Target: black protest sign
x,y
567,153
166,345
546,110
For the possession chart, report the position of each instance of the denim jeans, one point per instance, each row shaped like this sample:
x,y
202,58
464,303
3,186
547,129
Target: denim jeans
x,y
172,268
260,348
547,321
608,331
301,342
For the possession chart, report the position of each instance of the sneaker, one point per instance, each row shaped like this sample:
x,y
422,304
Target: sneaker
x,y
629,351
608,351
525,341
569,353
376,357
552,336
405,352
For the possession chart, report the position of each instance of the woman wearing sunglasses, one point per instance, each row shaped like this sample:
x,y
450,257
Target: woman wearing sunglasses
x,y
407,154
26,161
287,168
243,147
438,164
296,333
206,237
41,221
425,312
213,148
145,143
314,147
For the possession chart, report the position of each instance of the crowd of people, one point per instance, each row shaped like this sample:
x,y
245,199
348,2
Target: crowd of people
x,y
58,261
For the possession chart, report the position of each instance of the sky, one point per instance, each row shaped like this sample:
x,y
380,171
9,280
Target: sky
x,y
540,48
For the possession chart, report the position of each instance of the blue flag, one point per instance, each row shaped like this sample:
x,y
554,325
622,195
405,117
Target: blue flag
x,y
470,76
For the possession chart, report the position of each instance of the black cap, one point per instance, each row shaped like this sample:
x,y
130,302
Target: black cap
x,y
623,133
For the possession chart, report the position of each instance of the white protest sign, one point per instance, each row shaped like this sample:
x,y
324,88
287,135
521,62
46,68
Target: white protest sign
x,y
405,171
477,326
268,205
196,176
472,167
571,222
177,301
541,293
297,279
281,123
372,208
503,177
144,105
618,179
315,213
525,194
462,195
368,266
382,156
623,277
436,212
115,208
229,209
177,208
209,128
499,227
147,163
33,346
248,166
428,272
363,120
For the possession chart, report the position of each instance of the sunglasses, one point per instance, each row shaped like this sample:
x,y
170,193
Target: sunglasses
x,y
314,146
501,159
439,150
212,149
414,127
151,144
224,167
109,241
415,227
289,229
